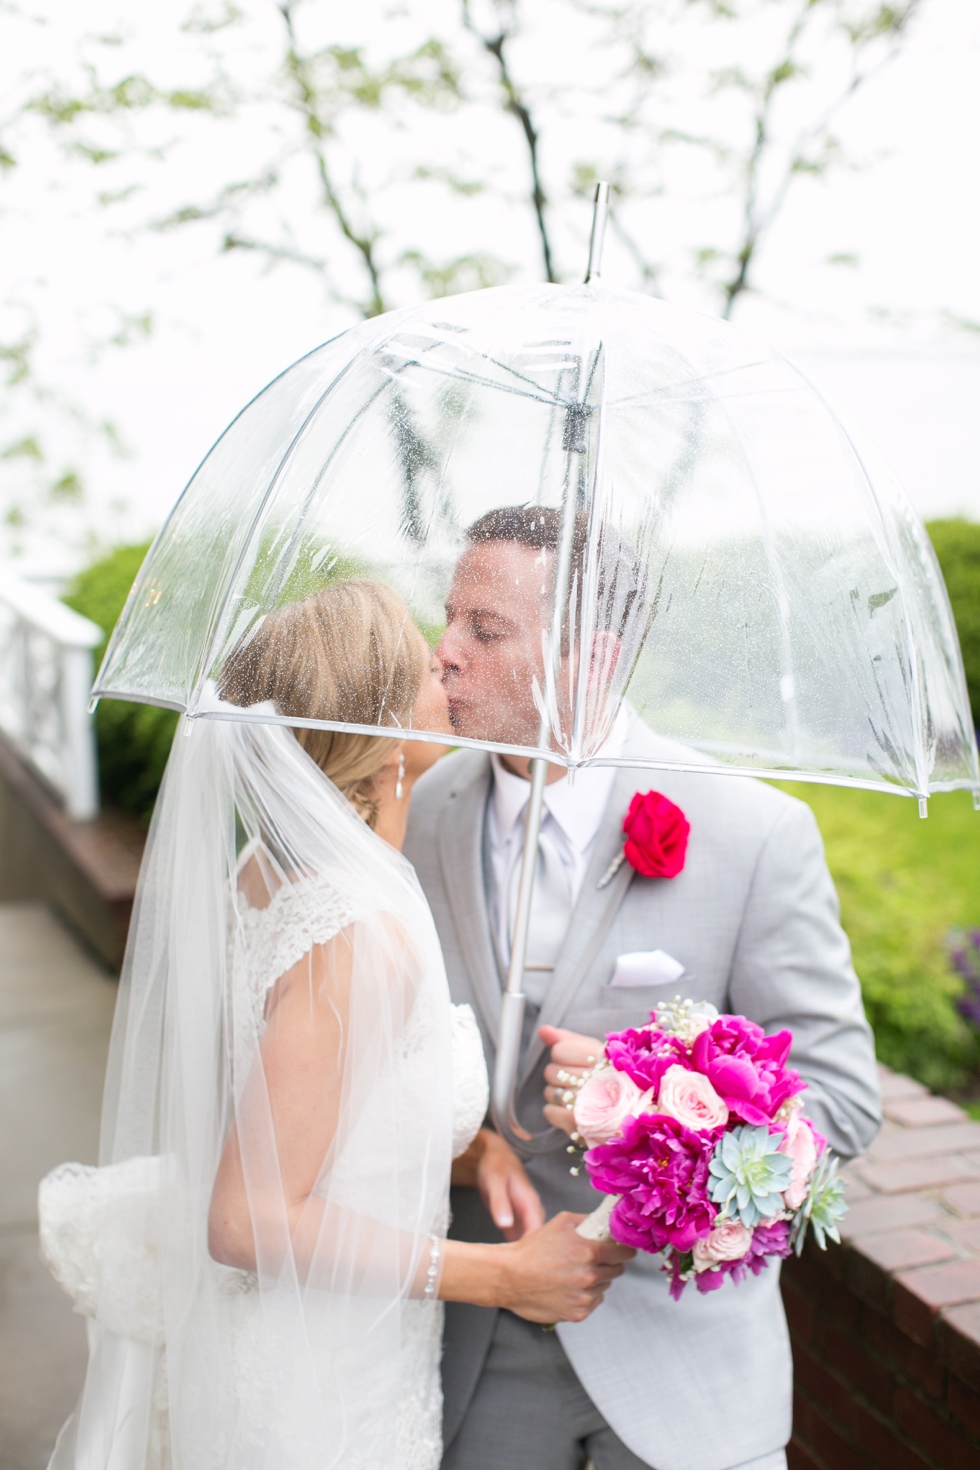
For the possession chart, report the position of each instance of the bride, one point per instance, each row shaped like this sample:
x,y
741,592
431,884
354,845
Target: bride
x,y
262,1255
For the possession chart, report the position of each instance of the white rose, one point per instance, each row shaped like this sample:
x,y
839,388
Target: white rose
x,y
690,1098
605,1101
727,1242
800,1145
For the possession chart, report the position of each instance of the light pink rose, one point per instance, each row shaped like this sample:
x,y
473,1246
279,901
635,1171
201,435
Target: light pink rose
x,y
727,1242
800,1145
690,1098
605,1101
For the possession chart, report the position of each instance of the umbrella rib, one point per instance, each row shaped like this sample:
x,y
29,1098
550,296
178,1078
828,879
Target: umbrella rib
x,y
470,377
695,378
318,480
362,352
915,691
118,630
504,367
266,498
507,368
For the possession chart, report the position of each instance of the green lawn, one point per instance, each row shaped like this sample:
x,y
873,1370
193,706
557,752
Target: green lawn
x,y
903,884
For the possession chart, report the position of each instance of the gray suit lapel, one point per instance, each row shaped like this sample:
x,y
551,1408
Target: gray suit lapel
x,y
461,859
594,911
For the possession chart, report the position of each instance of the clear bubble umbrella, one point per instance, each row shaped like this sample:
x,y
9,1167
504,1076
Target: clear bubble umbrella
x,y
728,557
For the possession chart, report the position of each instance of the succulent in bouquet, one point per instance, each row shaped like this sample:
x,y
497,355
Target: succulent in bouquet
x,y
695,1132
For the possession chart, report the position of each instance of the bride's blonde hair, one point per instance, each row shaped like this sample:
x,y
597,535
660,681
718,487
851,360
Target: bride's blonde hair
x,y
349,653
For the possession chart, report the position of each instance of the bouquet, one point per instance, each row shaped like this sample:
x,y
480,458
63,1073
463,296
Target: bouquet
x,y
695,1133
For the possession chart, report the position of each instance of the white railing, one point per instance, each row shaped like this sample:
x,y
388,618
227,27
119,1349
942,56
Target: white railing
x,y
45,681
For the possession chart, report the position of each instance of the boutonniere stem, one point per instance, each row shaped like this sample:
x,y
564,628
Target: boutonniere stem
x,y
612,870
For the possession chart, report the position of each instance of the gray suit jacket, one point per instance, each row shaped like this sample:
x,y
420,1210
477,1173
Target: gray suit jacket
x,y
705,1383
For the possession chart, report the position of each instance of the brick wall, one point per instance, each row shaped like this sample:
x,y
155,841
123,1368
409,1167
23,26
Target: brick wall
x,y
886,1326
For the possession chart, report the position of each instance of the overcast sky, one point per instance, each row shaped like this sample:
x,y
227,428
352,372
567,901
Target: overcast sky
x,y
893,335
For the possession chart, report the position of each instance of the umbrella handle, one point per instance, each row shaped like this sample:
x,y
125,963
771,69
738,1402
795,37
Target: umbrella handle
x,y
504,1086
513,1001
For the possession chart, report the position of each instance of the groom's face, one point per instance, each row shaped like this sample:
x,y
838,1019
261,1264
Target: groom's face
x,y
491,651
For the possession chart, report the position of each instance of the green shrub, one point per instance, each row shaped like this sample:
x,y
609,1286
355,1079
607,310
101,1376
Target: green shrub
x,y
133,739
957,546
903,885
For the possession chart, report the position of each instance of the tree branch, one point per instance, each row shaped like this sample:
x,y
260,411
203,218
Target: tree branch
x,y
758,221
298,69
516,104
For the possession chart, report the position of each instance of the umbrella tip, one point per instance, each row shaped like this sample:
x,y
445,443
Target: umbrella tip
x,y
923,807
600,213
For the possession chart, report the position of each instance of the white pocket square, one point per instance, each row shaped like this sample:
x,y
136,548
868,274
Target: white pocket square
x,y
646,967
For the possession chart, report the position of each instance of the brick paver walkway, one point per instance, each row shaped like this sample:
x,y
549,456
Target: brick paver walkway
x,y
55,1013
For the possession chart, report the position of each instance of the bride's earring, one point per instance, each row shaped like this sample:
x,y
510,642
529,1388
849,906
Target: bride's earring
x,y
399,790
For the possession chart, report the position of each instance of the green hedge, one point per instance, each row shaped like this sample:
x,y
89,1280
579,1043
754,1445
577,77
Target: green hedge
x,y
134,739
904,884
957,545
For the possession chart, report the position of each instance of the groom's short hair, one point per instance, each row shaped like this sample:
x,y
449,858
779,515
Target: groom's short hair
x,y
621,584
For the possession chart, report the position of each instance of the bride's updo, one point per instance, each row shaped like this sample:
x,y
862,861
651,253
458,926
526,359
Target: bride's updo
x,y
350,652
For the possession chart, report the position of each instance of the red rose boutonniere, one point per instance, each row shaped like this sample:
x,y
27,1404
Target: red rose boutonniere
x,y
656,833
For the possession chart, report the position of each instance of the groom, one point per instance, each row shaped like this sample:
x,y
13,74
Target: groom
x,y
750,924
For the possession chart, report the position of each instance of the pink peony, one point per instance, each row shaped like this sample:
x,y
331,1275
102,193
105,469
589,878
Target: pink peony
x,y
605,1101
660,1168
746,1067
800,1144
690,1098
727,1242
645,1054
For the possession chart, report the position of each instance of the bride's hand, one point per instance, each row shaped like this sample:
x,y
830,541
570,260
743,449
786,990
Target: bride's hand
x,y
570,1053
548,1277
552,1275
491,1166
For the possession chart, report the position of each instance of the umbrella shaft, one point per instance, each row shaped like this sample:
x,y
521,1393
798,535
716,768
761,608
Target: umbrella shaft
x,y
599,216
511,1031
529,862
507,1063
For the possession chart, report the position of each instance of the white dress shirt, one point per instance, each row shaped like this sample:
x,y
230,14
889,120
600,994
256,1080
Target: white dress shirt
x,y
573,812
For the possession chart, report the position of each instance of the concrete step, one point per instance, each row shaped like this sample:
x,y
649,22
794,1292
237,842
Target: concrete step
x,y
85,870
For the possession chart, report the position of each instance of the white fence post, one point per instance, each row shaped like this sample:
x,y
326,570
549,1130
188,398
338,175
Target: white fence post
x,y
45,682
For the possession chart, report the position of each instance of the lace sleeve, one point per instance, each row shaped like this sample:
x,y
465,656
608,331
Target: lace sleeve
x,y
299,916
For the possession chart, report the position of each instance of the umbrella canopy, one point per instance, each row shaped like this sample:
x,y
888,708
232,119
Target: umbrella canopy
x,y
726,554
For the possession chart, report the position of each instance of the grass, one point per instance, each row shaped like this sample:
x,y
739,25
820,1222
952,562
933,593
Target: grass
x,y
904,883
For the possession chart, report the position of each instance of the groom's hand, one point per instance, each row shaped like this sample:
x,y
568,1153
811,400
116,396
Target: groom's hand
x,y
571,1054
555,1275
491,1166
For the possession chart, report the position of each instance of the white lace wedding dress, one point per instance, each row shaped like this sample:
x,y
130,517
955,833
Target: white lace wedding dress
x,y
91,1216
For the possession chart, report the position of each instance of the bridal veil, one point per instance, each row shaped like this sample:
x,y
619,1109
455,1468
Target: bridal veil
x,y
254,859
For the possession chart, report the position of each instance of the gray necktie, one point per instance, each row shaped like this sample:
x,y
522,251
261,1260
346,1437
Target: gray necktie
x,y
551,909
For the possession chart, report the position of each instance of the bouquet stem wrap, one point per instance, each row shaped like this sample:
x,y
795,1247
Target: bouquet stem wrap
x,y
596,1225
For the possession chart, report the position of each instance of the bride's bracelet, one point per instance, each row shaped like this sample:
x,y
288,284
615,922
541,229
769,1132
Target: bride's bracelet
x,y
435,1251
